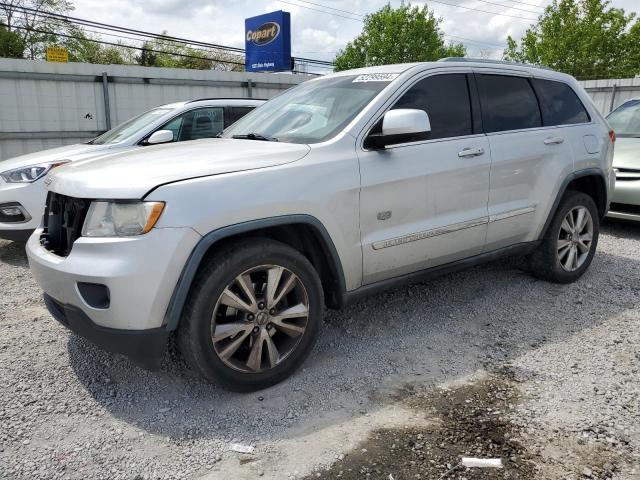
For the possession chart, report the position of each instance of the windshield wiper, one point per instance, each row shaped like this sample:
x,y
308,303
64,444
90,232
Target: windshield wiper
x,y
255,136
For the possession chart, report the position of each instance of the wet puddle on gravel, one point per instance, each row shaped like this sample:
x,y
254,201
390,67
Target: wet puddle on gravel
x,y
471,421
468,420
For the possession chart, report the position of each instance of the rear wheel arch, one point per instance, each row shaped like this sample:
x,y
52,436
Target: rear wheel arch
x,y
590,181
304,233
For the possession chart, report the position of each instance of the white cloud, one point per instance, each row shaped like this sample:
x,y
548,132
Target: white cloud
x,y
222,21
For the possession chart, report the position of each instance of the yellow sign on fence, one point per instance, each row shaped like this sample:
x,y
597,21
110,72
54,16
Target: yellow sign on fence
x,y
57,54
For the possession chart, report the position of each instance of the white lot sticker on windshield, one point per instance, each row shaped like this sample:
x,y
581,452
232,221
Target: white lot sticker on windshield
x,y
375,77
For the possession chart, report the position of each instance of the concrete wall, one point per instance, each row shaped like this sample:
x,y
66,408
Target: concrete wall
x,y
610,94
45,105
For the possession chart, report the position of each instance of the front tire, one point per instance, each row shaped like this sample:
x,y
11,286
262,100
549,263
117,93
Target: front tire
x,y
253,315
570,242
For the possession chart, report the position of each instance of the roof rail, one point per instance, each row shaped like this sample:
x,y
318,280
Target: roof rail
x,y
488,60
226,98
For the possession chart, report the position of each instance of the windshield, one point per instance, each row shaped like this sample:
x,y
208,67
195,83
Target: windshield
x,y
311,112
625,120
130,127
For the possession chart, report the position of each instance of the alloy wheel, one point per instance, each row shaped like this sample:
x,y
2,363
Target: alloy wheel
x,y
575,238
259,319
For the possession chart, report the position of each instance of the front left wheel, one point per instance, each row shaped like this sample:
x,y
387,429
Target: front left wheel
x,y
253,315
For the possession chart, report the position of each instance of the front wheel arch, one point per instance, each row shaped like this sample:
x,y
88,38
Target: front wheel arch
x,y
328,262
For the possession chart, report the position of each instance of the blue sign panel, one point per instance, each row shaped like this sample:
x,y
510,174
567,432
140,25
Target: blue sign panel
x,y
268,42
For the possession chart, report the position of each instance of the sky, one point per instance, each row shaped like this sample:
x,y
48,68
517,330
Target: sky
x,y
320,27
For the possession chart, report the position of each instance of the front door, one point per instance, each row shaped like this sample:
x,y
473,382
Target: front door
x,y
424,203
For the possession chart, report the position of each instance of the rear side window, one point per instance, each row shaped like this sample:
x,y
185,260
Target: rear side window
x,y
559,103
236,113
508,103
445,98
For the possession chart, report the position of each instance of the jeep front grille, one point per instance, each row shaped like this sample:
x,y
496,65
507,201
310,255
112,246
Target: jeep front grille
x,y
63,220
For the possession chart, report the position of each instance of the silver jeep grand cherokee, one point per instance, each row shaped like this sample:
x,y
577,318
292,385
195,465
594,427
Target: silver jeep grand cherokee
x,y
337,188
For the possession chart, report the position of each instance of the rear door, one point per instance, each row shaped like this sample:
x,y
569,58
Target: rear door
x,y
561,107
424,203
528,159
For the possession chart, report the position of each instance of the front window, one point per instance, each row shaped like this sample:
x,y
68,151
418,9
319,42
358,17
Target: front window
x,y
130,127
625,120
311,112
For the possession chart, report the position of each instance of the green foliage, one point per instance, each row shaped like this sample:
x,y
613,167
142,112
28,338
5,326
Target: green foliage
x,y
85,49
11,45
584,38
36,32
397,35
161,52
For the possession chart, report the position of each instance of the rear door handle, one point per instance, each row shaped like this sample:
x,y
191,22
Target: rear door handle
x,y
471,152
553,140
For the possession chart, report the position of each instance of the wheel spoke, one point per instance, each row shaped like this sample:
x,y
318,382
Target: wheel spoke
x,y
296,311
254,362
273,280
584,248
289,329
561,254
568,264
286,288
230,299
233,346
565,226
571,221
562,243
581,220
226,330
247,287
272,351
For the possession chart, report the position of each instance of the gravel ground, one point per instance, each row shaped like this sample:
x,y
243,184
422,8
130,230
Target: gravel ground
x,y
488,362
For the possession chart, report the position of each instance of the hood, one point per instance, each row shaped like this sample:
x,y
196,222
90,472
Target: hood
x,y
134,173
626,153
68,152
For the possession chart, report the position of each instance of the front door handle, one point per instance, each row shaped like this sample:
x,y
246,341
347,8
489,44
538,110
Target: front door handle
x,y
553,140
471,152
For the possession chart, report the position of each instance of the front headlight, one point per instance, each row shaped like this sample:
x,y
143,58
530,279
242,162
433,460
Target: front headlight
x,y
29,174
121,219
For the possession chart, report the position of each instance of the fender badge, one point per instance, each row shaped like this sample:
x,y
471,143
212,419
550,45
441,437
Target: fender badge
x,y
48,181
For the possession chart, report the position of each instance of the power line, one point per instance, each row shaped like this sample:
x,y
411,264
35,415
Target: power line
x,y
321,11
331,8
484,11
511,7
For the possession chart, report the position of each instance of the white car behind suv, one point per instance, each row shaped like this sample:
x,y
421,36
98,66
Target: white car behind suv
x,y
22,194
339,187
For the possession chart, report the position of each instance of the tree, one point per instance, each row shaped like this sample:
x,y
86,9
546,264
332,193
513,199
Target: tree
x,y
11,45
585,38
86,49
24,18
397,35
162,52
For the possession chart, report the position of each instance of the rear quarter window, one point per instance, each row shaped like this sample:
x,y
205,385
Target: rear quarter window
x,y
508,103
559,103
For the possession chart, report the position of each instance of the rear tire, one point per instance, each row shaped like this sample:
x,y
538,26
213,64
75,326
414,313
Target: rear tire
x,y
570,241
253,314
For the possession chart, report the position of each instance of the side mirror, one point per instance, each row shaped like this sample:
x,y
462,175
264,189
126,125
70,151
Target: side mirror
x,y
160,136
401,126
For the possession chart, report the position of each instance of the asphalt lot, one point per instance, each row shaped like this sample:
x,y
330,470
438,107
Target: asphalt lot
x,y
489,362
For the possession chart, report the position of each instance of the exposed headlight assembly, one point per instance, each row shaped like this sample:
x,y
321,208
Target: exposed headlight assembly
x,y
31,173
121,219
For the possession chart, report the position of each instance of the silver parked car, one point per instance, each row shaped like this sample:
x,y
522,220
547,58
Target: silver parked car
x,y
625,199
22,193
342,186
